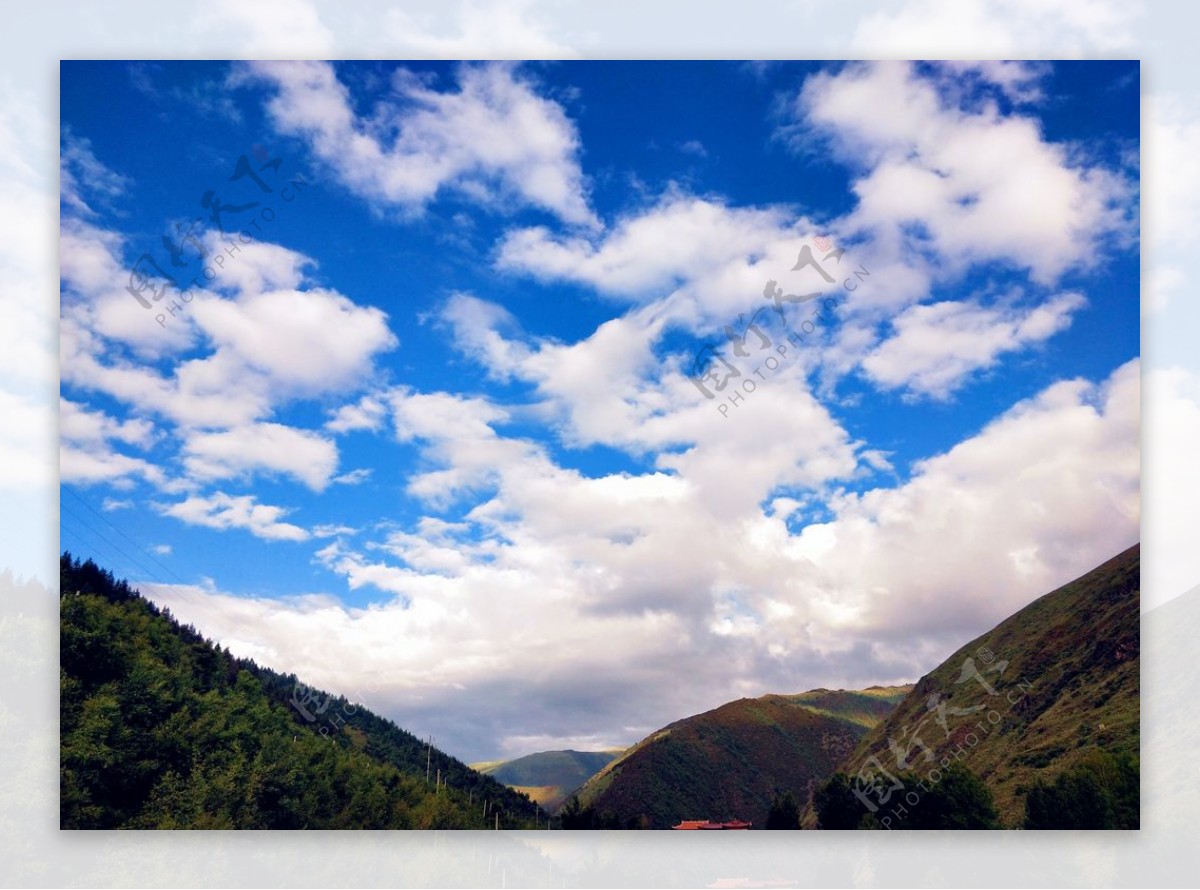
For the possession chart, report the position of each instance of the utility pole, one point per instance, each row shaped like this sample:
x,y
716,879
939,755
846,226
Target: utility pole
x,y
428,754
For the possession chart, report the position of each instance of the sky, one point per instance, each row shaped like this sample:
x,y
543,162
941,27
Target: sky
x,y
478,394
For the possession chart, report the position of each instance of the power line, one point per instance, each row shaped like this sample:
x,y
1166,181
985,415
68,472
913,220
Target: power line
x,y
91,548
142,569
109,522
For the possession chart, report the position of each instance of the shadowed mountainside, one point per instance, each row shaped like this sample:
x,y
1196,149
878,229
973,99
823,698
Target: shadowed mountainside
x,y
731,762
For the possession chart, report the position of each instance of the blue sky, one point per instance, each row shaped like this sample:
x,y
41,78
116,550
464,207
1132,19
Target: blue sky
x,y
430,427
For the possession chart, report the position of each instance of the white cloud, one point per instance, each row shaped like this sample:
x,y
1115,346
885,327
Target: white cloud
x,y
199,393
254,268
223,511
682,238
1042,494
77,423
328,530
81,175
614,586
368,413
101,464
467,452
354,477
981,185
275,339
86,455
611,388
477,326
936,346
304,342
493,139
261,447
96,299
1019,81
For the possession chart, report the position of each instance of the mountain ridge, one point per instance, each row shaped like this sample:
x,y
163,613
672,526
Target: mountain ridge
x,y
548,777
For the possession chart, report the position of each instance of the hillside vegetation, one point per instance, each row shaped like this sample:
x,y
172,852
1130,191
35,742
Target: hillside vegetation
x,y
160,728
1043,706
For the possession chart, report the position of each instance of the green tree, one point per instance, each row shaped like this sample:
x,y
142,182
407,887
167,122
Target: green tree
x,y
784,813
1101,791
836,806
959,800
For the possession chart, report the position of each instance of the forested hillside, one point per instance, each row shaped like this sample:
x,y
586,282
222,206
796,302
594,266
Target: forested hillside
x,y
161,728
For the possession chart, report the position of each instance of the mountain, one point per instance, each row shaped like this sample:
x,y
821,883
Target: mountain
x,y
548,777
731,762
1050,696
160,728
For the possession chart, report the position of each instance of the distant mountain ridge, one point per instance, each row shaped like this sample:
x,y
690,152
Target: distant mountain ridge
x,y
731,762
548,777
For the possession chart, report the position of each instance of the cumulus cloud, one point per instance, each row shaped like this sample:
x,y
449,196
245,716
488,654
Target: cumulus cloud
x,y
982,186
1046,491
681,238
88,466
368,413
304,342
77,423
261,447
493,137
561,595
86,453
936,346
262,337
223,511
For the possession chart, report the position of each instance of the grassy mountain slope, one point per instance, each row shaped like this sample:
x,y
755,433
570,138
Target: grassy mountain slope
x,y
730,763
160,728
548,777
1068,687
